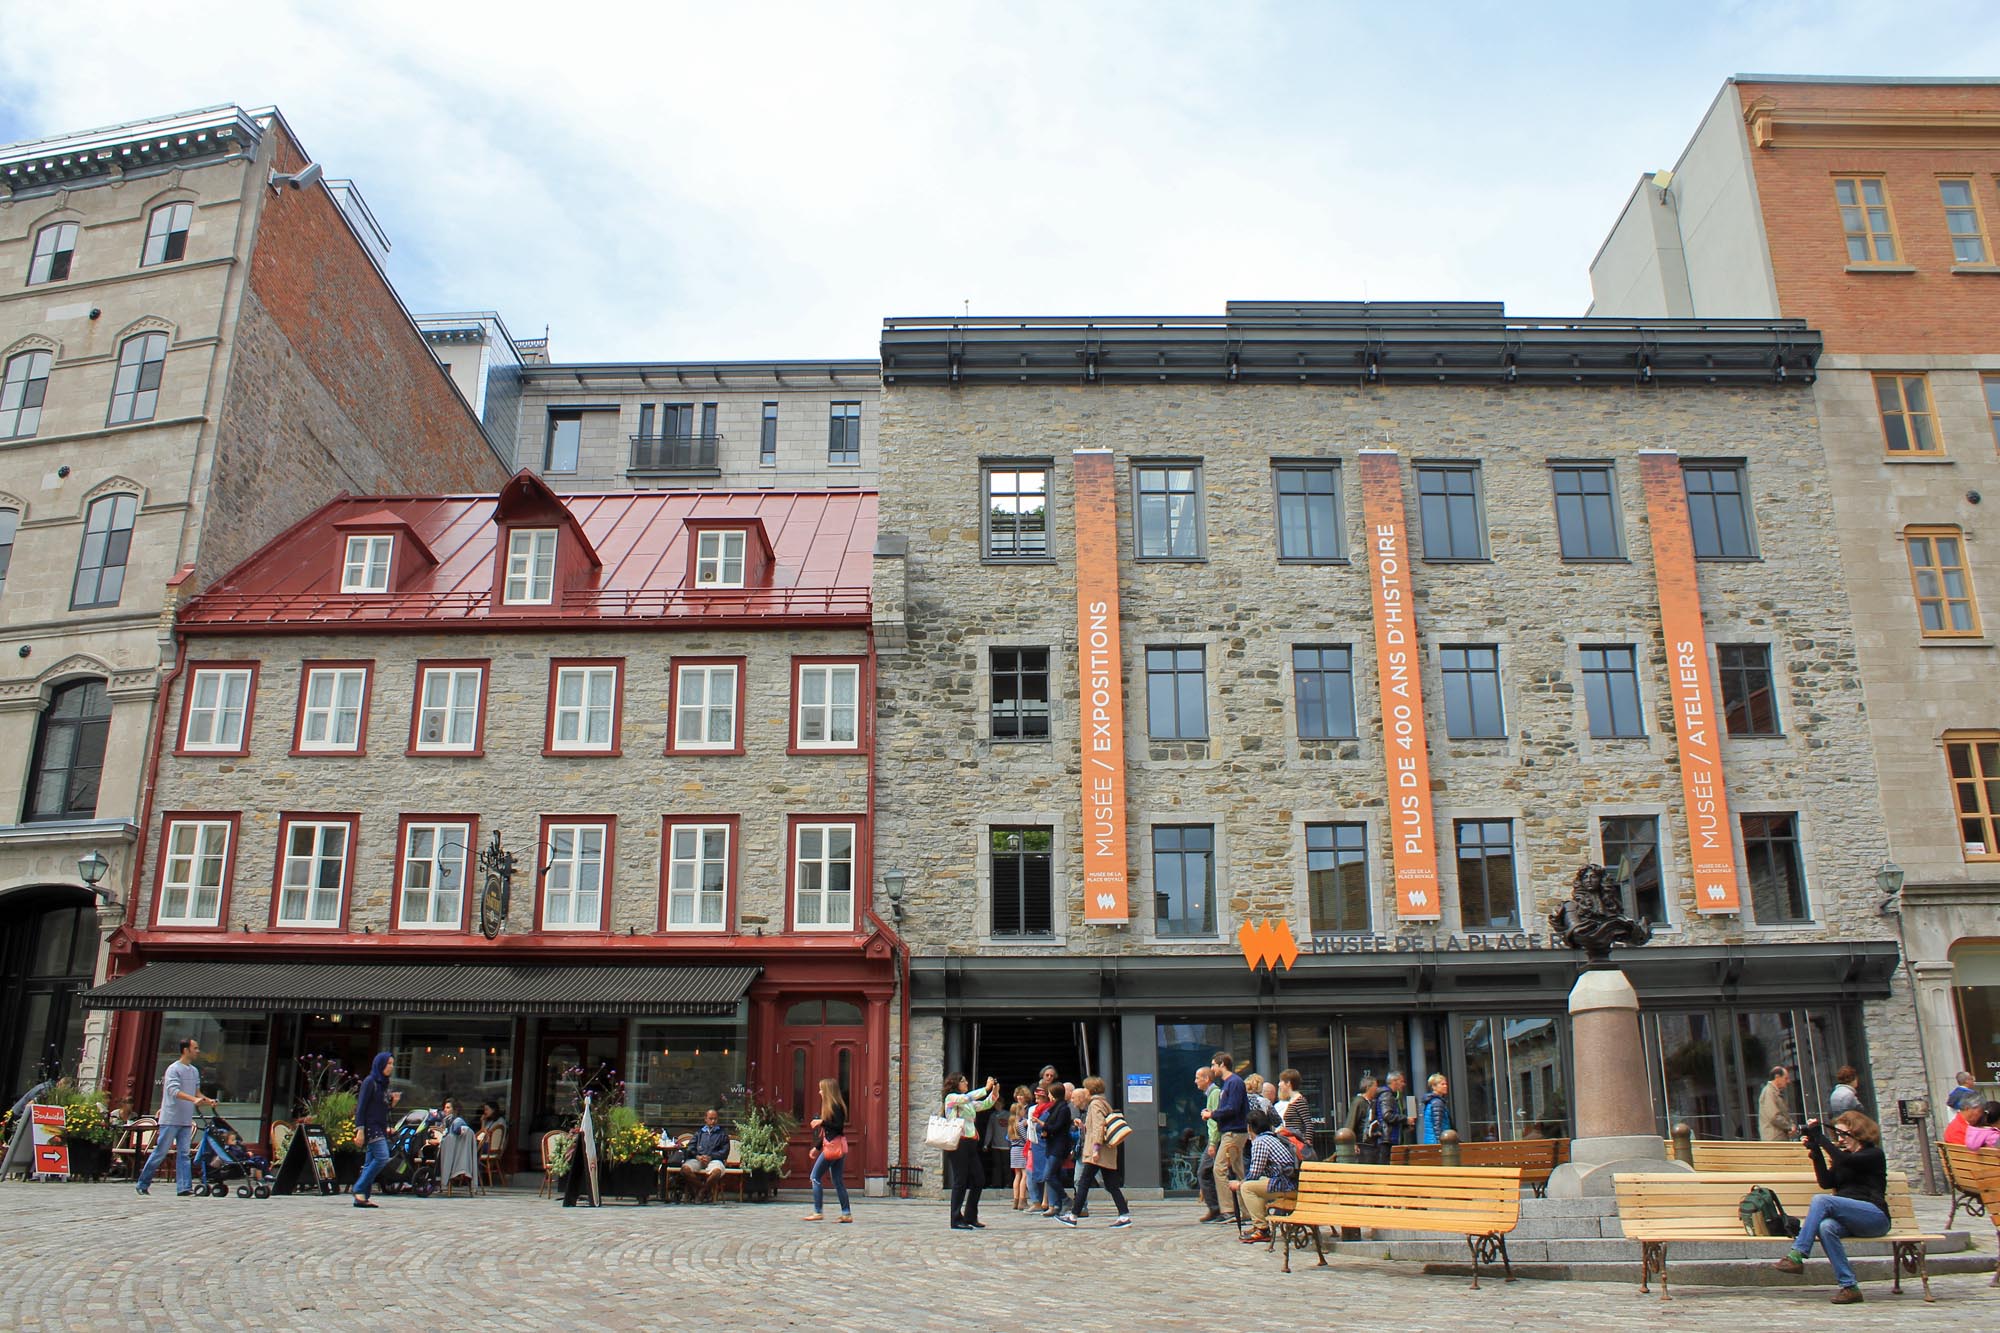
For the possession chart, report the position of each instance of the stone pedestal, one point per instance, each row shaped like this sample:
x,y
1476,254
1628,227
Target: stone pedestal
x,y
1615,1131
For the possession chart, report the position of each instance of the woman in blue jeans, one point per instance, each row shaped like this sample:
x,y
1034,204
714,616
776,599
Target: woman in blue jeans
x,y
1848,1162
830,1159
371,1121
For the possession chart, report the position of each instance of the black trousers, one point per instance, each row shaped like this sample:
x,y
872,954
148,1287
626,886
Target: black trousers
x,y
968,1178
1113,1178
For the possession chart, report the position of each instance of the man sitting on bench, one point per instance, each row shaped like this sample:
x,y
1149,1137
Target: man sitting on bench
x,y
707,1157
1274,1170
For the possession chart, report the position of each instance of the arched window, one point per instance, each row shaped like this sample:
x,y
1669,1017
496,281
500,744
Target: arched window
x,y
54,244
107,541
22,388
135,393
69,753
10,519
167,234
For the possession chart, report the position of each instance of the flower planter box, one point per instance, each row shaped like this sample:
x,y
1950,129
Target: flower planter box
x,y
636,1181
760,1186
347,1164
88,1161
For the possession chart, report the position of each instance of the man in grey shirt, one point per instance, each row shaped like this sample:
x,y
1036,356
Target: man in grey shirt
x,y
180,1093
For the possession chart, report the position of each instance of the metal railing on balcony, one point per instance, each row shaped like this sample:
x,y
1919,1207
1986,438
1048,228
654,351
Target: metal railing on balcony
x,y
675,453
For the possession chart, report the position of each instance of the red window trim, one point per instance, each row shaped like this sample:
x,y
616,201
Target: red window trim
x,y
403,823
731,864
863,694
610,823
864,870
187,704
233,818
674,665
556,665
365,665
484,665
286,819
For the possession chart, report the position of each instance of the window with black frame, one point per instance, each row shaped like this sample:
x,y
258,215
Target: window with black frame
x,y
1749,692
1587,511
1023,867
1020,681
1637,836
1775,867
1472,709
1718,511
1017,512
1308,511
107,543
1323,690
843,435
1337,877
1487,899
1611,691
1448,499
1184,879
1168,512
1176,694
68,762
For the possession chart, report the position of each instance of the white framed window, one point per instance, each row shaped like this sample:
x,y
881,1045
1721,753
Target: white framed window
x,y
531,567
218,706
366,568
330,717
314,878
448,710
586,709
823,877
433,879
697,876
573,888
718,559
829,705
705,707
195,863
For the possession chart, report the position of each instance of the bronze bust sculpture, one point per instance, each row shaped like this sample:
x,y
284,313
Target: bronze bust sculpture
x,y
1593,919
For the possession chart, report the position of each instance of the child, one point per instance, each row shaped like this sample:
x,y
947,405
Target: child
x,y
1017,1145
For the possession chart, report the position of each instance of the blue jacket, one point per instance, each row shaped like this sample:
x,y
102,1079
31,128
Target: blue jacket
x,y
371,1100
1235,1104
1433,1119
712,1143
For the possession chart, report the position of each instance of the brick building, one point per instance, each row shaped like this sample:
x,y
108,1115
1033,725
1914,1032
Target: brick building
x,y
196,348
1173,616
656,700
1866,207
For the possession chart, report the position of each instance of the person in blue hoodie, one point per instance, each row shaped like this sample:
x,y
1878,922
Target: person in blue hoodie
x,y
1434,1117
371,1122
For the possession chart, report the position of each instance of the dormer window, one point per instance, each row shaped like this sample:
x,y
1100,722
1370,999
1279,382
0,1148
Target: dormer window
x,y
366,568
531,567
718,559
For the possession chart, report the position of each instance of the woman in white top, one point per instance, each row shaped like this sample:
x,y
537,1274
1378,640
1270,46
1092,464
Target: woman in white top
x,y
968,1176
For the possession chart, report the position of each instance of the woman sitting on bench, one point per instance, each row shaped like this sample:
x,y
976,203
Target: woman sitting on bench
x,y
1848,1162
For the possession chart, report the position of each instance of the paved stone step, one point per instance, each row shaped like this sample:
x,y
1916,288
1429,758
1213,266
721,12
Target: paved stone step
x,y
1872,1270
1544,1208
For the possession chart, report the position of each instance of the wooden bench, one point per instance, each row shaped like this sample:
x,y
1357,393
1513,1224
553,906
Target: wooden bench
x,y
1737,1155
1657,1210
1973,1177
1480,1203
1537,1158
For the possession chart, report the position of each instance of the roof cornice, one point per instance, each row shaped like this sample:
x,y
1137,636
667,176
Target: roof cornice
x,y
695,374
1772,125
95,156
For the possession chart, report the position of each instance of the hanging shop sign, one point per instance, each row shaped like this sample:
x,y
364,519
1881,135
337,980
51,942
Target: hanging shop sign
x,y
1100,663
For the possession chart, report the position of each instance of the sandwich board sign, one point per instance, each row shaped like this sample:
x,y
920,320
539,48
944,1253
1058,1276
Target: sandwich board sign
x,y
51,1153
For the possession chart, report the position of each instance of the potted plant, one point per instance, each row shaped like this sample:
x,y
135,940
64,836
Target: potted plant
x,y
631,1156
763,1134
86,1129
328,1101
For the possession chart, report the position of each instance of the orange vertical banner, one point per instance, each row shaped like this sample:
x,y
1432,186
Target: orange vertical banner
x,y
1697,725
1405,750
1101,664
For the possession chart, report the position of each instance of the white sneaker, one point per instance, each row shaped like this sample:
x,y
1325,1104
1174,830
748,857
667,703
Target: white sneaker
x,y
1067,1220
1124,1220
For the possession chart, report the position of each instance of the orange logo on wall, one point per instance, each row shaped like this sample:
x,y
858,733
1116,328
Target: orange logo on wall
x,y
1268,942
1100,664
1697,726
1405,750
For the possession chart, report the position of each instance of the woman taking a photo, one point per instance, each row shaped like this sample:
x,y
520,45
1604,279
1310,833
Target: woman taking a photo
x,y
1848,1162
968,1176
830,1151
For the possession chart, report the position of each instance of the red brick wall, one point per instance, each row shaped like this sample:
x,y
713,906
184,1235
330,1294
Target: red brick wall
x,y
1930,311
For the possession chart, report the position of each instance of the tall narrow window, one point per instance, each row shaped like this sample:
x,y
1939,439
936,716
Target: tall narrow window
x,y
828,708
433,878
366,566
1718,511
565,442
1776,871
677,420
1472,708
23,389
1023,882
1486,885
313,876
1337,877
333,709
218,708
697,876
1637,836
1963,221
531,566
1749,692
1020,694
135,388
584,710
1946,607
708,431
1908,424
1323,689
1972,759
1184,879
107,542
767,437
843,434
1308,511
1169,517
718,559
448,701
10,521
645,420
1865,218
68,762
1991,385
1448,499
1587,512
55,244
194,862
705,706
167,234
1177,694
1611,691
1017,513
573,887
823,877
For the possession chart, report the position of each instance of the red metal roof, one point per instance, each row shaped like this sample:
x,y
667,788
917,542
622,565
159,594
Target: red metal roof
x,y
823,540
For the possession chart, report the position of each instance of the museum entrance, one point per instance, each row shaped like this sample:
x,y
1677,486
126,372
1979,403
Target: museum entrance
x,y
48,953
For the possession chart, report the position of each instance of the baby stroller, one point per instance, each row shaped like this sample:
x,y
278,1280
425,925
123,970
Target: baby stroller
x,y
412,1164
222,1160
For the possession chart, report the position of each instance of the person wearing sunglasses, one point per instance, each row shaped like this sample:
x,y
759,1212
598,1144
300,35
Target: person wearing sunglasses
x,y
1848,1160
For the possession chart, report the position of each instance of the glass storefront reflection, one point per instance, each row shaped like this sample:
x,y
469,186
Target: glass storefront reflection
x,y
1184,1048
232,1058
677,1068
468,1060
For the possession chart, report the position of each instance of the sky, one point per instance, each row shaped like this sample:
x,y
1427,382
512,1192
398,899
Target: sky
x,y
668,181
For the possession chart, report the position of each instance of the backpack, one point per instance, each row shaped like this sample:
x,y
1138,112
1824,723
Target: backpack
x,y
1763,1215
1300,1148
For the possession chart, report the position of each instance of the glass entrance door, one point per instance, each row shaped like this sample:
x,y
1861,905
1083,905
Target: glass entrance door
x,y
48,953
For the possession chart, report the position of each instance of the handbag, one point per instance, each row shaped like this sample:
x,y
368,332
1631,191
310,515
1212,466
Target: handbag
x,y
834,1149
1117,1129
944,1132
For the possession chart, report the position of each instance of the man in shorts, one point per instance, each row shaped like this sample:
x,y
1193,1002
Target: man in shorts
x,y
707,1156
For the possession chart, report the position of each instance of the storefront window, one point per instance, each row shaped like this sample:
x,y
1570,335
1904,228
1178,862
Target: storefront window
x,y
1308,1050
1693,1094
1535,1078
233,1050
1766,1040
1475,1106
1976,993
1374,1050
1184,1048
468,1060
677,1068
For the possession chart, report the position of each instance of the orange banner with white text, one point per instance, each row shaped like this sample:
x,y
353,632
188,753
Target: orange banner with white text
x,y
1405,751
1697,725
1100,664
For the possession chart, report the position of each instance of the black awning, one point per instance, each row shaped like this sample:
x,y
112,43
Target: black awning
x,y
426,988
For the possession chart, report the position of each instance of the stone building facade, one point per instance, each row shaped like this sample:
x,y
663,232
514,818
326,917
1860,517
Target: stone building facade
x,y
1865,207
1254,795
193,353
